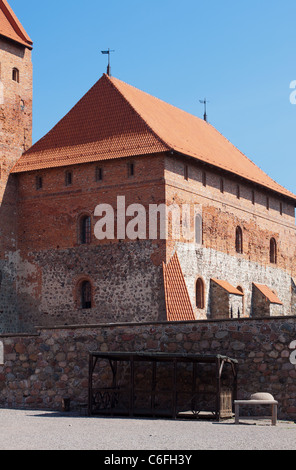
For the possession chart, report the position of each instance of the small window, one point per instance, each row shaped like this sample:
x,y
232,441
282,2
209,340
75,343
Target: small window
x,y
238,191
85,230
99,173
281,208
238,240
68,178
267,203
273,251
186,172
204,178
200,293
39,182
131,169
221,185
85,295
253,197
16,75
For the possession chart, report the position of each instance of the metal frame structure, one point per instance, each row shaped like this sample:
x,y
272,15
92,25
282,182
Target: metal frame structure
x,y
104,400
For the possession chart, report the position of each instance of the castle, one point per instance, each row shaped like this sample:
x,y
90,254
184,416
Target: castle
x,y
118,141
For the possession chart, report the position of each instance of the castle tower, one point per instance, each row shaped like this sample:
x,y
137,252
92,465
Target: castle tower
x,y
15,92
15,138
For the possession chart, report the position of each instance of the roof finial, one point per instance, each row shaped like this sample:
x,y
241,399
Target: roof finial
x,y
204,102
109,67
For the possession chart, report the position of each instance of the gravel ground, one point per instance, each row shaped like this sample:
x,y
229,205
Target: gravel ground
x,y
42,430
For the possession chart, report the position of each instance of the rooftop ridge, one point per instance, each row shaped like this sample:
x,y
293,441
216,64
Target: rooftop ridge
x,y
116,120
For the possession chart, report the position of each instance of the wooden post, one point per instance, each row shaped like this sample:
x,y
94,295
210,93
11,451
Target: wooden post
x,y
175,389
274,414
132,386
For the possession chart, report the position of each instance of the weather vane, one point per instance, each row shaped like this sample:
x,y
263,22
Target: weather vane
x,y
109,67
204,102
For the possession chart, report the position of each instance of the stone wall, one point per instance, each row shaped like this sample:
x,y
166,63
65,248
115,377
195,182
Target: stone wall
x,y
199,261
126,285
39,370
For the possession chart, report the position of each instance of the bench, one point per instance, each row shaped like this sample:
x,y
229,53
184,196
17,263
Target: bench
x,y
254,402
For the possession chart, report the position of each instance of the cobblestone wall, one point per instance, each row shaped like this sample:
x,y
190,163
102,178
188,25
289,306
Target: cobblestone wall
x,y
39,370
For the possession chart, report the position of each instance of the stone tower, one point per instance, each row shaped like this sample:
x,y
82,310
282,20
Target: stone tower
x,y
15,91
15,138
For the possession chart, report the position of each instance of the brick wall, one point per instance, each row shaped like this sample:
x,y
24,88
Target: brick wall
x,y
126,275
15,137
222,212
15,106
40,370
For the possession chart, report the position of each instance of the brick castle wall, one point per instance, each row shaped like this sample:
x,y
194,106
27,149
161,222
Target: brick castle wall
x,y
224,207
15,137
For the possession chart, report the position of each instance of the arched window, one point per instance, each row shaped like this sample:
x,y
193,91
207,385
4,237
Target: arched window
x,y
200,293
85,295
85,230
273,251
16,75
238,240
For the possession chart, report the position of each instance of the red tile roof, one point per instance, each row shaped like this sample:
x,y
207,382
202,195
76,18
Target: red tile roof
x,y
268,293
178,305
117,120
11,28
228,287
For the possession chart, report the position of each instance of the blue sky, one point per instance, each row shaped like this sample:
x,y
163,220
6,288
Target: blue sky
x,y
240,55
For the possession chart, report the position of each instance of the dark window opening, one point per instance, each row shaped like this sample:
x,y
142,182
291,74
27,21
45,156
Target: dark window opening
x,y
186,172
238,191
86,295
85,230
221,185
200,293
39,182
273,251
68,178
253,197
238,240
204,178
131,169
99,173
16,75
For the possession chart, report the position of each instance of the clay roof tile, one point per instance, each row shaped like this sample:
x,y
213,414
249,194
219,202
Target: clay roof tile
x,y
228,287
115,120
177,299
268,293
10,26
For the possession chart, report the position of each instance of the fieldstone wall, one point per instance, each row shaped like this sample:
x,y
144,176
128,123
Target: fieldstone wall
x,y
44,290
38,371
223,304
197,261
